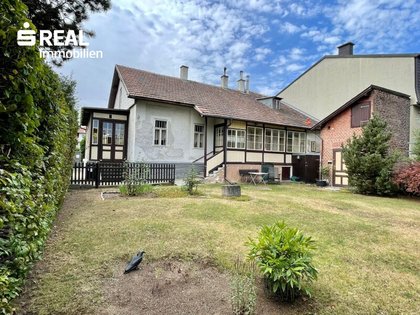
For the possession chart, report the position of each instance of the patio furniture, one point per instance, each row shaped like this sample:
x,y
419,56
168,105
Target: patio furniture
x,y
257,177
244,174
272,177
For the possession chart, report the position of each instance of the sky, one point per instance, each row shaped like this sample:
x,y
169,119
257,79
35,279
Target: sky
x,y
273,41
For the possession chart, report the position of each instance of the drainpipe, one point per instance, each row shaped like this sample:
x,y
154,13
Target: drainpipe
x,y
205,146
225,147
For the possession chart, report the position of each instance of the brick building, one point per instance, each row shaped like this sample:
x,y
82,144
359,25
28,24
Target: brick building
x,y
336,128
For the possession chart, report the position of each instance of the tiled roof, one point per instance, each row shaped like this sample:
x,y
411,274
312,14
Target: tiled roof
x,y
208,100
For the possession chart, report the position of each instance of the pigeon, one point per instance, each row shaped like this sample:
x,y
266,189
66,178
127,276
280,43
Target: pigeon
x,y
134,263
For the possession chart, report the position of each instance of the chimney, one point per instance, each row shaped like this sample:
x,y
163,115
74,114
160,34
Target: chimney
x,y
183,72
241,82
247,84
225,79
346,49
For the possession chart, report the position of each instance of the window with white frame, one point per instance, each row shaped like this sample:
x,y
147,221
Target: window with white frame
x,y
218,142
161,128
296,142
236,139
254,138
275,140
198,136
95,131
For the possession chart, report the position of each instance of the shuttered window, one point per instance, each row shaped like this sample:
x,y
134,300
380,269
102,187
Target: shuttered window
x,y
360,114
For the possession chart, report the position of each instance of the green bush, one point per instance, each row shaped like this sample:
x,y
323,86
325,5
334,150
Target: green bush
x,y
244,296
284,256
191,181
369,160
38,127
135,189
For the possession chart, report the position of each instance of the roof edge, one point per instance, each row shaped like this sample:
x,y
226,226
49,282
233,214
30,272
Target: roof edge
x,y
346,105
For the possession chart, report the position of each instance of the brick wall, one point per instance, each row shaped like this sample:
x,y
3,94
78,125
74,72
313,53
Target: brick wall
x,y
335,133
395,110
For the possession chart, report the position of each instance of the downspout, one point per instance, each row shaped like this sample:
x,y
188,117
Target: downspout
x,y
205,146
225,147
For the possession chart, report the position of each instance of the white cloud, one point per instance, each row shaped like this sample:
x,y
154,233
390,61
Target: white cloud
x,y
290,28
261,53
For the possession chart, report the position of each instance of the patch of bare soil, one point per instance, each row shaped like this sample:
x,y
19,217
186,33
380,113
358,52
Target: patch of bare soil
x,y
177,287
168,287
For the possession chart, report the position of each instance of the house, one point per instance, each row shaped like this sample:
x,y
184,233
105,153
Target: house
x,y
157,118
333,80
348,119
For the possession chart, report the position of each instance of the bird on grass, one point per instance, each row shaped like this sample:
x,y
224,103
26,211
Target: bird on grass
x,y
134,263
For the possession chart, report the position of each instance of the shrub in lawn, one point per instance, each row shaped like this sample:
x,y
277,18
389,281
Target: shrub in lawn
x,y
191,181
407,177
369,161
284,256
135,180
243,297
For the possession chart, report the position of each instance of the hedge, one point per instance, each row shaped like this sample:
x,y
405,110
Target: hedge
x,y
38,127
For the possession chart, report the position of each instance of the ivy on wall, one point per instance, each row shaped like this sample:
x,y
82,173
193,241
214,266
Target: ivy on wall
x,y
38,127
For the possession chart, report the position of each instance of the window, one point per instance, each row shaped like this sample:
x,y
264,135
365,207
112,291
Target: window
x,y
106,133
236,139
198,136
276,103
275,140
219,137
360,114
160,132
95,131
296,142
254,138
119,134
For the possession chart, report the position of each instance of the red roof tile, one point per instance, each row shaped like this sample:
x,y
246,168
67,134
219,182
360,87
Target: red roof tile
x,y
208,100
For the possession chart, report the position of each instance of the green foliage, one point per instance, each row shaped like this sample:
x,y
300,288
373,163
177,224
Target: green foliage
x,y
191,181
244,296
135,189
82,147
38,126
135,180
416,146
284,256
325,173
369,160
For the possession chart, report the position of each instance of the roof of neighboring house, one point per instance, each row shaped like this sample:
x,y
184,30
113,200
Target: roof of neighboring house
x,y
207,99
355,99
87,111
81,130
414,55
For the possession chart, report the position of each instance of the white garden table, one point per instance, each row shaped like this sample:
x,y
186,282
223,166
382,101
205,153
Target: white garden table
x,y
257,177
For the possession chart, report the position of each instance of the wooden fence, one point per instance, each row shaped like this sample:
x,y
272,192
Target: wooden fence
x,y
113,174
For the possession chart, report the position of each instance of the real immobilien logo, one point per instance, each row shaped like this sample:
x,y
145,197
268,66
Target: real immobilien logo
x,y
57,38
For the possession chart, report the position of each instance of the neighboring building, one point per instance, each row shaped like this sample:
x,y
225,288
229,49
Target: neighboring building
x,y
340,125
157,118
333,80
81,132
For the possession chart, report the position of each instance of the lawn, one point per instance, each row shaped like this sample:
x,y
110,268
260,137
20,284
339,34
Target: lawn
x,y
367,247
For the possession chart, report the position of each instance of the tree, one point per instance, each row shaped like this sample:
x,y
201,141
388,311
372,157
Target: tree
x,y
63,15
369,160
416,146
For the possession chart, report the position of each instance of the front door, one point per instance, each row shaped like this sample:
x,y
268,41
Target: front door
x,y
285,173
340,177
113,140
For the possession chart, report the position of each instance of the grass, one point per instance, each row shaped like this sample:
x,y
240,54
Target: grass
x,y
368,247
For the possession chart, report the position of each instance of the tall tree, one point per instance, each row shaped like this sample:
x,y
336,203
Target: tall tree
x,y
369,160
63,15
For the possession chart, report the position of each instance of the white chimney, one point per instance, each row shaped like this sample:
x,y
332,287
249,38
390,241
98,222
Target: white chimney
x,y
183,72
224,79
241,82
247,84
